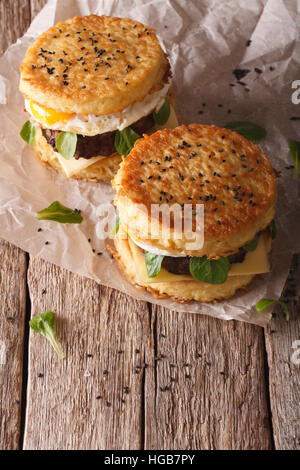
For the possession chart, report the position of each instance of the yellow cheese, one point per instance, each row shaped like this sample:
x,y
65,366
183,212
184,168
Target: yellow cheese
x,y
255,262
72,167
171,123
141,270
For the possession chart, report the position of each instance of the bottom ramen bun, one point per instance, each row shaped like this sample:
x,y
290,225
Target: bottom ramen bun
x,y
213,172
92,86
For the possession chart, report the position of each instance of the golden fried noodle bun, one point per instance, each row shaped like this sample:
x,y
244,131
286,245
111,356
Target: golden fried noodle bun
x,y
196,164
92,76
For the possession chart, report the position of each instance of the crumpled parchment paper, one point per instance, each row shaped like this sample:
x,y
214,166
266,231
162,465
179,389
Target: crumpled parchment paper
x,y
206,41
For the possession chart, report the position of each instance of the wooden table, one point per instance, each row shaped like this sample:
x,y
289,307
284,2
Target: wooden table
x,y
137,376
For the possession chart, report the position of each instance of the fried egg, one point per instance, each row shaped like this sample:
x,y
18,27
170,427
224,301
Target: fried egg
x,y
91,124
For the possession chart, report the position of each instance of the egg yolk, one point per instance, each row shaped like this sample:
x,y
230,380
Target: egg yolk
x,y
47,115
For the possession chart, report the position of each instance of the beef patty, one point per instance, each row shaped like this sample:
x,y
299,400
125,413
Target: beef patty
x,y
182,265
101,144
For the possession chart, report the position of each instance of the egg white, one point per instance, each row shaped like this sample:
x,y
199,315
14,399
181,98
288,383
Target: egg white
x,y
92,125
155,251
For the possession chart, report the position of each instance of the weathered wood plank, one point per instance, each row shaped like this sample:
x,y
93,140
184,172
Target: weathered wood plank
x,y
64,408
284,366
14,20
216,392
15,17
36,6
12,315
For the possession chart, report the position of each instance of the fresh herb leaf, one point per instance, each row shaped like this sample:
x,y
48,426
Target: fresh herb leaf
x,y
273,229
124,140
66,143
153,263
56,211
295,151
116,227
209,270
28,132
262,304
251,246
162,116
248,130
44,324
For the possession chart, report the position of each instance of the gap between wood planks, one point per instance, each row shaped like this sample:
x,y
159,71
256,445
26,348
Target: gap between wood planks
x,y
25,360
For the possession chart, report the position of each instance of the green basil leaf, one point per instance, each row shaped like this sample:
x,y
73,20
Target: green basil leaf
x,y
153,263
295,151
262,304
28,132
66,143
209,270
273,229
248,130
116,227
44,324
162,116
56,211
124,140
251,246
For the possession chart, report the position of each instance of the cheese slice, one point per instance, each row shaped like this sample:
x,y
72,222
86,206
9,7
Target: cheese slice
x,y
171,123
73,167
141,270
255,262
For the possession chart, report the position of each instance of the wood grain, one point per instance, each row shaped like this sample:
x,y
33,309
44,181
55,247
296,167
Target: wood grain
x,y
284,366
14,20
207,388
12,315
36,6
77,403
15,17
173,380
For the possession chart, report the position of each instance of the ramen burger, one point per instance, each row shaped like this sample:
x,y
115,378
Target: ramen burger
x,y
92,86
189,166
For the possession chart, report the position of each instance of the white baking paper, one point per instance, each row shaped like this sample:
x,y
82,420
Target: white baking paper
x,y
206,40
